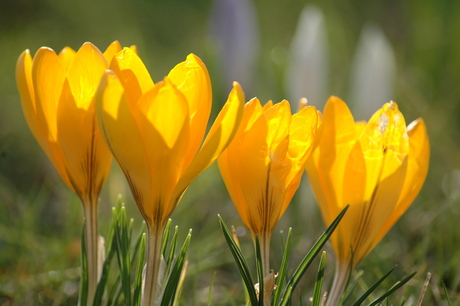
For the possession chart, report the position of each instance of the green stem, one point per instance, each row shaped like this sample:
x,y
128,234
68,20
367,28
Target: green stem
x,y
342,273
154,237
91,238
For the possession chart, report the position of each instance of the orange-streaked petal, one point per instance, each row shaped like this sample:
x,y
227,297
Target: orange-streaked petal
x,y
163,121
192,79
220,135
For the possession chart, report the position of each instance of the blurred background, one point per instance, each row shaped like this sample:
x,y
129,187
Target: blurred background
x,y
366,52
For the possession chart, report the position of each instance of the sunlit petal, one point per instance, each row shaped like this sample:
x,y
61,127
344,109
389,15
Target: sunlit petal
x,y
119,127
192,79
132,74
221,133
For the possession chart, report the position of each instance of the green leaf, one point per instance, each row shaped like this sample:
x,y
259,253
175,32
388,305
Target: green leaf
x,y
282,275
137,297
446,293
169,294
83,295
351,285
317,291
308,259
240,263
260,272
395,287
372,288
210,289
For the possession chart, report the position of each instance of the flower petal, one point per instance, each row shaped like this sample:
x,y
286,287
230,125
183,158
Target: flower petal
x,y
192,79
66,56
84,75
111,51
163,122
121,132
417,170
48,75
220,135
132,74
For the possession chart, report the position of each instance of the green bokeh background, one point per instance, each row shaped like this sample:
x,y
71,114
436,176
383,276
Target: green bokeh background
x,y
40,220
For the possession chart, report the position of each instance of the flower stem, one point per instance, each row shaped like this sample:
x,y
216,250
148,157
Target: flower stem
x,y
265,254
91,238
154,237
342,273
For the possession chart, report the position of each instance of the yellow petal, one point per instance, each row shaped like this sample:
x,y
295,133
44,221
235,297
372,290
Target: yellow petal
x,y
192,79
87,157
84,75
302,133
327,165
218,138
111,51
417,169
48,76
67,55
278,118
165,128
27,94
132,74
375,173
121,132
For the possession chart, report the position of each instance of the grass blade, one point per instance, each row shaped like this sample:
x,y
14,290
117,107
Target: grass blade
x,y
240,262
174,277
395,287
363,297
282,275
308,259
319,281
83,295
140,267
446,293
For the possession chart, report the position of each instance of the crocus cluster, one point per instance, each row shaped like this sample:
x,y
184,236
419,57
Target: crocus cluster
x,y
85,107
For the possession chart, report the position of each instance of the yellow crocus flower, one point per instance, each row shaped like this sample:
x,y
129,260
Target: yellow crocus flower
x,y
57,94
155,133
377,168
263,165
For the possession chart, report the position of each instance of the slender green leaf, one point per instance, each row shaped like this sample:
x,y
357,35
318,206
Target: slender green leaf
x,y
317,291
104,278
140,267
260,272
395,287
174,277
172,249
351,285
240,263
308,259
282,275
372,288
83,295
446,293
210,289
165,240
